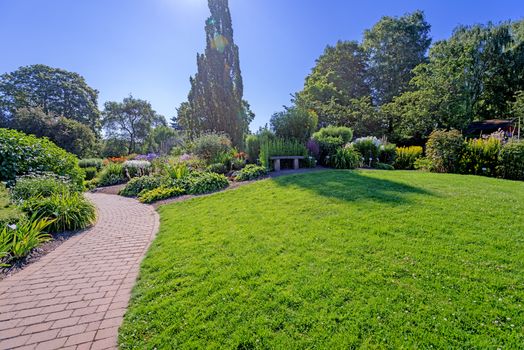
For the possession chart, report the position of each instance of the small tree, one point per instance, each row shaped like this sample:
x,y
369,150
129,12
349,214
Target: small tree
x,y
130,120
294,123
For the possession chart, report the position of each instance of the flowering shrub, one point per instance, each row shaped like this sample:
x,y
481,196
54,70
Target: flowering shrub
x,y
387,153
136,168
250,172
406,157
209,146
369,148
148,157
118,160
480,156
313,148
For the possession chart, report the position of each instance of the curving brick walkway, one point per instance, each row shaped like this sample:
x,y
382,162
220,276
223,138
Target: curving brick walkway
x,y
75,297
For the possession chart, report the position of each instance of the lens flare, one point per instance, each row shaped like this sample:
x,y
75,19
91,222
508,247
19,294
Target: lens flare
x,y
219,43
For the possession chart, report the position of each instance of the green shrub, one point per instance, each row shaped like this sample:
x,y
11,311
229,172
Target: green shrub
x,y
160,193
176,171
346,158
480,156
69,210
91,163
250,172
21,154
111,174
18,241
279,147
202,182
369,148
387,153
329,140
90,173
253,147
44,185
139,184
406,157
423,164
384,166
218,168
344,133
511,160
444,150
210,146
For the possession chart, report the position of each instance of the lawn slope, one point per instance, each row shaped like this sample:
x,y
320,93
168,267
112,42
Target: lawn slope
x,y
337,260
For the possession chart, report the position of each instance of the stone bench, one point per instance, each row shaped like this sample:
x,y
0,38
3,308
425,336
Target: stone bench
x,y
295,159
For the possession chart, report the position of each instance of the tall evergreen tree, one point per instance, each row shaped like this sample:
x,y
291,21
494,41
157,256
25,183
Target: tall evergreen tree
x,y
215,102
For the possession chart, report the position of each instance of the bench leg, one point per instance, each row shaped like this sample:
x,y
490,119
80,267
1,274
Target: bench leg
x,y
277,165
295,164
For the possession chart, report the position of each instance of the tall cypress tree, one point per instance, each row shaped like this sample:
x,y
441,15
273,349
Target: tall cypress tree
x,y
215,101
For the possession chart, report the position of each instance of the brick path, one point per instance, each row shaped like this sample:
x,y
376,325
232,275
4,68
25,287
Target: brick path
x,y
75,297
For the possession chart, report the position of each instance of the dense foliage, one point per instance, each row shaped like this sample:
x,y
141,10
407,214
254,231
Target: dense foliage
x,y
160,193
444,150
22,154
346,158
294,123
134,187
17,241
211,146
280,147
251,172
43,185
57,91
406,157
69,211
215,101
480,156
512,161
111,174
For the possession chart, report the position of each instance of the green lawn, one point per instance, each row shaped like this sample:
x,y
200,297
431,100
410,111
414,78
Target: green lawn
x,y
337,260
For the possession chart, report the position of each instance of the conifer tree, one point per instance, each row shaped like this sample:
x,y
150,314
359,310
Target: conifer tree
x,y
215,101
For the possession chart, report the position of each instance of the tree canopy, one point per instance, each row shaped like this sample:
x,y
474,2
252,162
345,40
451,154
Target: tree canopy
x,y
131,120
56,91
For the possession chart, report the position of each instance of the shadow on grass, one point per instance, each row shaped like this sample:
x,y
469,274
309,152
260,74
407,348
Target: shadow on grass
x,y
353,186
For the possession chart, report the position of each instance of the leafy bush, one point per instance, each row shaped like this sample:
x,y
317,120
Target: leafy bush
x,y
136,168
160,193
43,185
369,148
202,182
444,150
480,156
250,172
17,241
387,153
69,211
279,147
294,123
91,163
253,147
176,170
218,168
111,174
139,184
310,162
511,160
384,166
21,154
90,173
330,139
406,157
423,163
210,146
346,158
344,133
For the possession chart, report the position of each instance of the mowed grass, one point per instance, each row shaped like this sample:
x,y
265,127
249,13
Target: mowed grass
x,y
337,260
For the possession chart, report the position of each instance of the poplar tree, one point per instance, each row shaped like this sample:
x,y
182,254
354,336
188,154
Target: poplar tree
x,y
215,101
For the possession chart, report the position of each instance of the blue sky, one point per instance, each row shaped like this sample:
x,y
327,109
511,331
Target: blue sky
x,y
148,47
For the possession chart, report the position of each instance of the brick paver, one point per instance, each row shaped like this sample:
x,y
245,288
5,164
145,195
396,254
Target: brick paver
x,y
75,297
